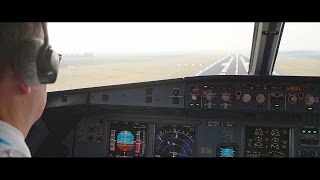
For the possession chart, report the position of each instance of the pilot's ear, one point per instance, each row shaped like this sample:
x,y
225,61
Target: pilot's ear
x,y
24,88
21,86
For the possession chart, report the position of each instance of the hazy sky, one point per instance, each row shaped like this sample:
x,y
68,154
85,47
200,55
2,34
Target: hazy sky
x,y
149,37
300,36
159,37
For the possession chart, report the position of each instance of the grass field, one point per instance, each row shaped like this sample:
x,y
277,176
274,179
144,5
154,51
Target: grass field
x,y
297,65
102,70
111,70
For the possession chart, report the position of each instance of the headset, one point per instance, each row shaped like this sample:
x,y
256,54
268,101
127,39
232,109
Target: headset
x,y
38,63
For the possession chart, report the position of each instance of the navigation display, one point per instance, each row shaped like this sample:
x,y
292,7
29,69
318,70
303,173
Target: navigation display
x,y
127,139
267,142
174,141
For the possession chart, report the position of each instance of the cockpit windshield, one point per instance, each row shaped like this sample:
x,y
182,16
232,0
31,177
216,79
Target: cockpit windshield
x,y
299,51
100,54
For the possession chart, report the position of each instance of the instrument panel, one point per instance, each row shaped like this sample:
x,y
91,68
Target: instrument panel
x,y
267,142
127,139
275,135
214,116
174,141
254,95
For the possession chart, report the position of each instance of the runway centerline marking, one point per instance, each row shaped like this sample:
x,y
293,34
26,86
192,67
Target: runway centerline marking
x,y
237,62
212,65
227,65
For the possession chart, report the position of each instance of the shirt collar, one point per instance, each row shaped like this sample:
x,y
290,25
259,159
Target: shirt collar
x,y
13,136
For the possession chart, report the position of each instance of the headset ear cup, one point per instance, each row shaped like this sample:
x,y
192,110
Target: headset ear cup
x,y
28,61
48,66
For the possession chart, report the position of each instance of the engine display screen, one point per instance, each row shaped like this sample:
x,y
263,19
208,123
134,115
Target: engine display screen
x,y
174,141
227,150
267,142
127,139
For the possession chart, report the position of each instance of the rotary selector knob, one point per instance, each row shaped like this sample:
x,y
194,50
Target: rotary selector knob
x,y
292,99
210,96
260,98
309,99
246,98
226,97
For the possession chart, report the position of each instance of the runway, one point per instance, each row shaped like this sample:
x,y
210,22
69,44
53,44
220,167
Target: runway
x,y
231,64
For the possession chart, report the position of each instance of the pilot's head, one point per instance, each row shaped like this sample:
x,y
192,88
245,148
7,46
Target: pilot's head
x,y
25,69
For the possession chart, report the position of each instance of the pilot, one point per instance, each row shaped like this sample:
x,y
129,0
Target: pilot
x,y
27,64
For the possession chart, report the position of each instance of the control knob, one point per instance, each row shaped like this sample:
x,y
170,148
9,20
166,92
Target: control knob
x,y
226,97
309,99
210,96
246,98
292,99
260,98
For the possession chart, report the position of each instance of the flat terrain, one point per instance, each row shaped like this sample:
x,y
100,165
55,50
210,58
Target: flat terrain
x,y
101,70
80,72
297,65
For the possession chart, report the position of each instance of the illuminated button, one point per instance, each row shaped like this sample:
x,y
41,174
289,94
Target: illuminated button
x,y
191,104
194,97
309,132
315,132
303,131
276,106
309,108
198,105
205,86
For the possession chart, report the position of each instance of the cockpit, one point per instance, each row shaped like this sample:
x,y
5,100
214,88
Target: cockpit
x,y
132,90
